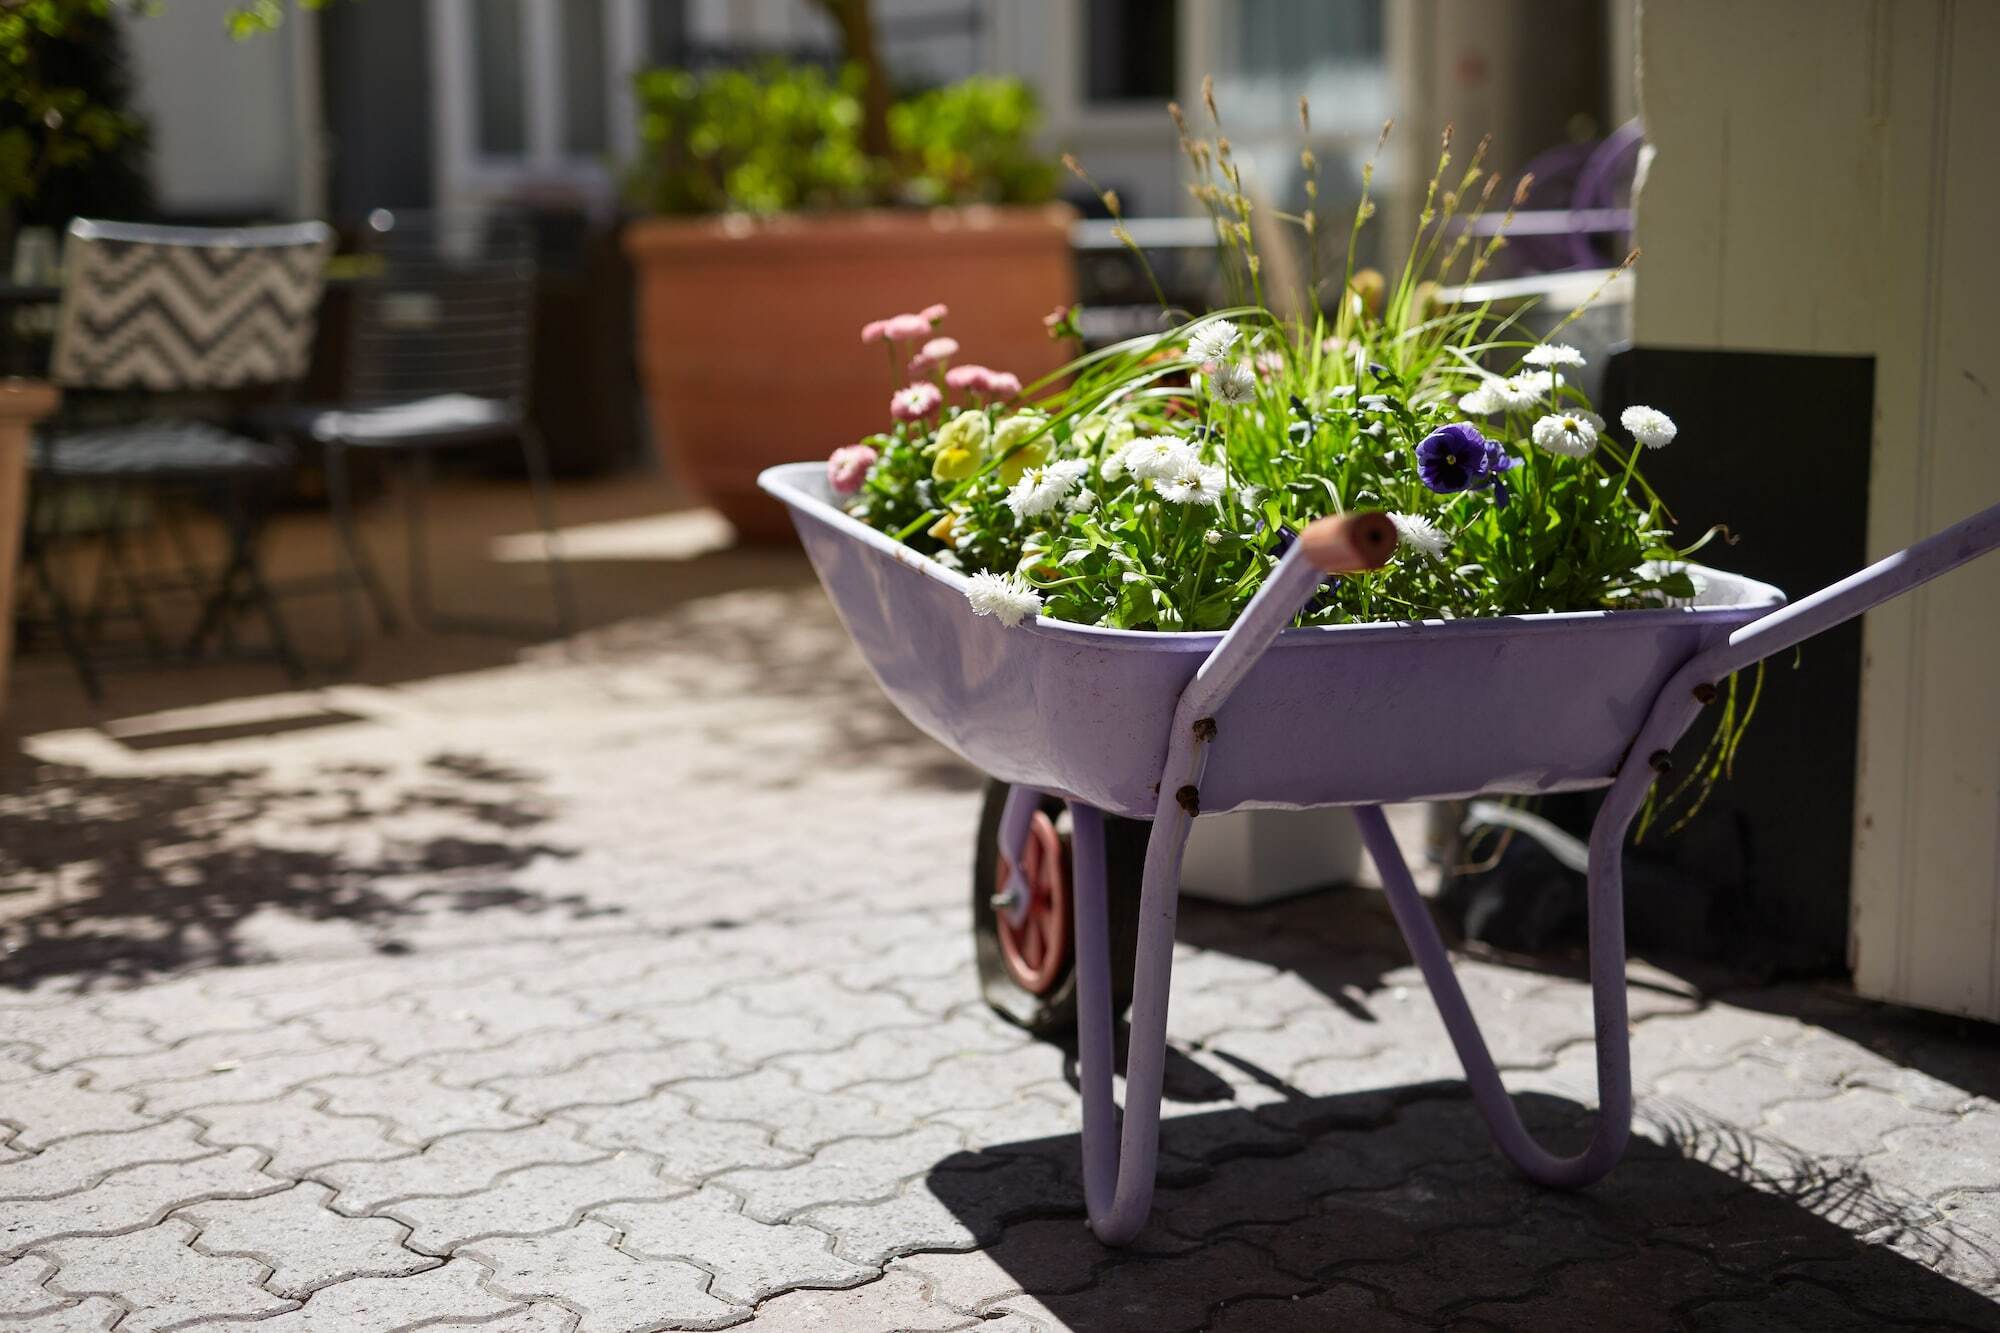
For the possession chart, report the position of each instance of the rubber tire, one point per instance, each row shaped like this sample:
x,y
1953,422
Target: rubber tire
x,y
1054,1015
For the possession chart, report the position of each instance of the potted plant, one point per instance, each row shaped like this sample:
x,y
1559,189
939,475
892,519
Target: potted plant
x,y
789,205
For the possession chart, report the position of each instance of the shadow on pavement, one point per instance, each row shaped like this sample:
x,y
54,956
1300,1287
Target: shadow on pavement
x,y
1388,1209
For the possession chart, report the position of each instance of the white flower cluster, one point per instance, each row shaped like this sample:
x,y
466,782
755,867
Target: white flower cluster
x,y
1649,426
1211,340
1571,434
1553,354
1420,535
1041,489
1175,469
1005,597
1515,393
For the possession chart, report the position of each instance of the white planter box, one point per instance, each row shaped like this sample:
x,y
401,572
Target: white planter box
x,y
1251,857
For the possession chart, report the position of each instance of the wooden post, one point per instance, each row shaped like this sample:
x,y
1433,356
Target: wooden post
x,y
22,404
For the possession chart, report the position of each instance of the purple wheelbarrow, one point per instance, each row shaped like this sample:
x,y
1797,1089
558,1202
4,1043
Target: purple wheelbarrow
x,y
1164,727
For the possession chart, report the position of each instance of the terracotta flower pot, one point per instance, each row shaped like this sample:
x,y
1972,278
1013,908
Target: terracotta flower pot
x,y
22,404
749,331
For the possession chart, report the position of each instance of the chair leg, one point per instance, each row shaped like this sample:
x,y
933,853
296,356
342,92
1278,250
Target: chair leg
x,y
117,558
535,454
417,486
359,567
421,609
246,530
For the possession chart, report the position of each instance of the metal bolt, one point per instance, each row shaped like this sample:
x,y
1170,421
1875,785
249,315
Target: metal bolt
x,y
1661,761
1704,693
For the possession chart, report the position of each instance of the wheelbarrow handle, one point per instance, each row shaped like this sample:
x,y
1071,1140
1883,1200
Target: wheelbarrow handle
x,y
1859,592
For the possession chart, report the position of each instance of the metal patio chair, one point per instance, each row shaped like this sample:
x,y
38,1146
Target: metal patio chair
x,y
172,310
439,359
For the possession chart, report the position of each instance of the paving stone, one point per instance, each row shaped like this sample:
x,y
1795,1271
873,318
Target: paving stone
x,y
305,1244
196,1057
74,1163
744,1034
457,1164
1889,1287
21,1289
503,1011
133,1197
1637,1290
298,1132
98,1314
905,1053
1789,1305
453,1293
750,1259
617,1077
896,1301
66,1034
612,1291
1146,1295
166,1282
1341,1306
175,1010
54,1106
946,1210
1931,1155
1032,1258
854,1170
534,1198
415,1103
553,1053
1740,1092
799,1121
257,1079
688,1149
397,1030
1852,1124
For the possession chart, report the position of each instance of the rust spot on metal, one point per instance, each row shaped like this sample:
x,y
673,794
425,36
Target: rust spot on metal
x,y
1204,729
1704,693
1190,799
1661,761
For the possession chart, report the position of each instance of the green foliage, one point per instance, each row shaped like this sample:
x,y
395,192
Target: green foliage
x,y
62,105
781,137
969,142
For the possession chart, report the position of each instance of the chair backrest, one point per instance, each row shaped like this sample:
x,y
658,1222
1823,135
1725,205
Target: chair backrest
x,y
447,306
174,309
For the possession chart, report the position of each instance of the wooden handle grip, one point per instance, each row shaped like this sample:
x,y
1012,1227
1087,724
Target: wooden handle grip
x,y
1349,543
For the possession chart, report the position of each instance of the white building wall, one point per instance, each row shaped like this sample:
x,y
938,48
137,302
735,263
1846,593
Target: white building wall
x,y
224,139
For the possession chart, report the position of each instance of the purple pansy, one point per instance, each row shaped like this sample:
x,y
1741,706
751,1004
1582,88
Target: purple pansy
x,y
1458,458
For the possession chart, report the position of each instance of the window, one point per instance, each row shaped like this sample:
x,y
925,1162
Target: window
x,y
1130,50
530,94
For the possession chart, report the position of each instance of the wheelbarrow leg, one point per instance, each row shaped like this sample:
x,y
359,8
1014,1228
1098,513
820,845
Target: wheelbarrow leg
x,y
1607,985
1118,1166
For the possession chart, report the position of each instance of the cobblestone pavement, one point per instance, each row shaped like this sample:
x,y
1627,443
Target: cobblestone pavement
x,y
629,987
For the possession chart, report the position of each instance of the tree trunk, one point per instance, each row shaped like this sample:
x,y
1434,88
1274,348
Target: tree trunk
x,y
856,22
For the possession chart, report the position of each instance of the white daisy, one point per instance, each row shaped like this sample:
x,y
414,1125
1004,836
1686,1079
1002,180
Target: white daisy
x,y
1082,502
1419,534
1212,340
1649,426
1003,596
1553,354
1571,434
1040,489
1157,457
1232,384
1196,483
1372,400
1482,401
1518,393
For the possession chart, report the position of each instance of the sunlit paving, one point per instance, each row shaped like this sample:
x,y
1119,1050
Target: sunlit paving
x,y
951,665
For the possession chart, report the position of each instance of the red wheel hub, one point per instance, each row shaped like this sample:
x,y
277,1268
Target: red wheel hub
x,y
1037,949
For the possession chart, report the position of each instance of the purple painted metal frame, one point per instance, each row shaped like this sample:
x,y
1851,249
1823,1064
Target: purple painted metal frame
x,y
1120,1160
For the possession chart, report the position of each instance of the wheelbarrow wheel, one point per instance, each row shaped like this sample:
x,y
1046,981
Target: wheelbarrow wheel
x,y
1028,973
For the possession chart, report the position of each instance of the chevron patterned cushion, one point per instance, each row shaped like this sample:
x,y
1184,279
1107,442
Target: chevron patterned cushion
x,y
179,308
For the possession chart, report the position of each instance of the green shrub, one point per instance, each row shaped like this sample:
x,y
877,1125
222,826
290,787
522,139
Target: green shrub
x,y
782,137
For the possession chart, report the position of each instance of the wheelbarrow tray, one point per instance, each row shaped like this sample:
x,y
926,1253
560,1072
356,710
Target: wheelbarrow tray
x,y
1329,715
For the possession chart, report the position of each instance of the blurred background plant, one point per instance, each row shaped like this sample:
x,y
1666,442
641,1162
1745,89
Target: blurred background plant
x,y
782,136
